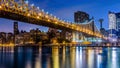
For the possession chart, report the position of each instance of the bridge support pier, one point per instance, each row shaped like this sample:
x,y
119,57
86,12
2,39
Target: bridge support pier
x,y
75,36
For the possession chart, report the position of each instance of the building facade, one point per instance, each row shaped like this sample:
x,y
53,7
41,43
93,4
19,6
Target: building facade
x,y
114,24
112,20
118,21
118,24
16,31
80,17
3,37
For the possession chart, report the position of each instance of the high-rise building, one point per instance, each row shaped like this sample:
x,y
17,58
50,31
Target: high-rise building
x,y
112,24
112,20
118,21
10,38
16,31
80,17
3,37
118,24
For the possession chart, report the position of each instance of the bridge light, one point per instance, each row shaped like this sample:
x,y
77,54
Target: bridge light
x,y
67,25
0,7
56,22
100,36
20,8
48,20
40,14
38,17
28,14
77,28
46,16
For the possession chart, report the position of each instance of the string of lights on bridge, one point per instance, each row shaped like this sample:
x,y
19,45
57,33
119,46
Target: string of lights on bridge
x,y
23,8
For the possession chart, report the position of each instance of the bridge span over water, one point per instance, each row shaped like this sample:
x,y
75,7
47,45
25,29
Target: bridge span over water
x,y
24,12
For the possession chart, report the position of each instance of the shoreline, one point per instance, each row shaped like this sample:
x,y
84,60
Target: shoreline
x,y
61,44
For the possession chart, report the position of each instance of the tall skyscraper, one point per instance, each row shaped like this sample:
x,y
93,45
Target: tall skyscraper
x,y
80,17
118,24
16,31
112,20
118,21
112,24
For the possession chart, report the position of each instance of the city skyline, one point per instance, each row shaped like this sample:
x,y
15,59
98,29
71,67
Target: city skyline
x,y
59,34
65,11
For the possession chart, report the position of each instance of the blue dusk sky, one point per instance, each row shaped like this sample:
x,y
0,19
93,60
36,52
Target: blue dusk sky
x,y
64,9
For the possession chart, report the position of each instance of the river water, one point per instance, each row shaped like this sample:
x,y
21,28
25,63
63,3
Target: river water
x,y
59,57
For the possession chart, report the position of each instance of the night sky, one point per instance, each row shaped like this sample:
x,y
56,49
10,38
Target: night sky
x,y
64,9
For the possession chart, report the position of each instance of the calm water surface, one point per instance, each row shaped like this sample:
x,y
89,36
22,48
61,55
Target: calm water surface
x,y
59,57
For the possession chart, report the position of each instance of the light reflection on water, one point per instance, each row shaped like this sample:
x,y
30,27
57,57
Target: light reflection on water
x,y
59,57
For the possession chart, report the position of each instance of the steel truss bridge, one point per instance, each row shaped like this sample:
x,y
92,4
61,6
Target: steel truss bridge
x,y
22,11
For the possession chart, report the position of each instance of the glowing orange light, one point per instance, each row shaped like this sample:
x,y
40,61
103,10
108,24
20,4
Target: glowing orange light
x,y
48,20
0,7
39,14
38,17
56,22
46,16
28,14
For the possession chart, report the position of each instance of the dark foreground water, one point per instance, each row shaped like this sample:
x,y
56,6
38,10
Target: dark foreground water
x,y
59,57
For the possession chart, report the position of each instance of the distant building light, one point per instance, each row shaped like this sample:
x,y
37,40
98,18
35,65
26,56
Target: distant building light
x,y
114,40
